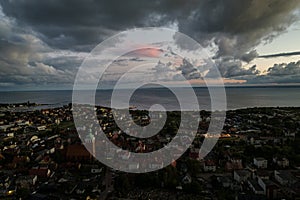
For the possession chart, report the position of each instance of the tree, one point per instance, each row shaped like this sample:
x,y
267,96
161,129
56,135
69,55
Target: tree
x,y
194,166
122,184
23,193
170,177
193,187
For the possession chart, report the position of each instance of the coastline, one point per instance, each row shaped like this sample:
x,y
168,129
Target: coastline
x,y
24,107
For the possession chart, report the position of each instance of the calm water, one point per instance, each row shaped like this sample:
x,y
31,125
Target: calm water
x,y
237,97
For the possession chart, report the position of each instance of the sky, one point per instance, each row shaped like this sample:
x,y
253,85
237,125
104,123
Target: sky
x,y
43,43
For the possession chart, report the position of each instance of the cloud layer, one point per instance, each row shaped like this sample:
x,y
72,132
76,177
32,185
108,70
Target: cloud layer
x,y
45,41
279,73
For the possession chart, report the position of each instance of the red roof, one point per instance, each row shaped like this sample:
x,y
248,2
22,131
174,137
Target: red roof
x,y
210,163
77,150
39,172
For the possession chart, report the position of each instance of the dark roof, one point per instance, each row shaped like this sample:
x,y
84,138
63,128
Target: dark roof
x,y
251,197
255,184
243,172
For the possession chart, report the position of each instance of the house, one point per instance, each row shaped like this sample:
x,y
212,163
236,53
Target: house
x,y
20,160
264,174
40,172
260,163
26,181
125,155
281,162
133,166
209,166
187,179
241,175
156,165
233,164
12,134
225,181
5,182
284,177
194,153
90,168
289,134
41,128
269,187
5,128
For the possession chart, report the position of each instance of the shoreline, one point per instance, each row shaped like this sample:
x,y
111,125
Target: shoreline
x,y
31,106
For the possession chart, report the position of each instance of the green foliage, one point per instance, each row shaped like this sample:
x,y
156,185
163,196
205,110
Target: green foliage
x,y
122,184
148,180
170,177
194,187
23,193
194,166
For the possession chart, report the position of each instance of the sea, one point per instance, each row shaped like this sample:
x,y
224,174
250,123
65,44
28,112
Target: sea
x,y
144,98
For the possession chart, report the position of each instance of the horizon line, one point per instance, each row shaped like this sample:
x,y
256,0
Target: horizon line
x,y
157,87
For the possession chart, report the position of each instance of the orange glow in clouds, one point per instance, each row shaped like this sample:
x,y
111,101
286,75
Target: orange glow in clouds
x,y
148,52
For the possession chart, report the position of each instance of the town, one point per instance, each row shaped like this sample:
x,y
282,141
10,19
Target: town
x,y
42,156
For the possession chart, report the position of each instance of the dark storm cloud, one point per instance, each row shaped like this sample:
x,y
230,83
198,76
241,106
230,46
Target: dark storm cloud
x,y
22,59
70,63
229,68
235,70
171,72
188,70
292,68
280,73
30,27
249,56
239,25
236,25
77,24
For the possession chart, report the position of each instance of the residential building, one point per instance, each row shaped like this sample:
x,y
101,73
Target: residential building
x,y
209,166
260,162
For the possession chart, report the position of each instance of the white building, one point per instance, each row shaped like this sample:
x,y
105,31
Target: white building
x,y
260,162
133,166
209,166
281,162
